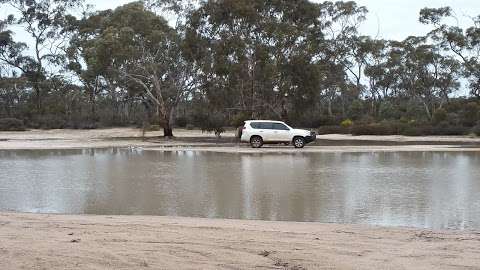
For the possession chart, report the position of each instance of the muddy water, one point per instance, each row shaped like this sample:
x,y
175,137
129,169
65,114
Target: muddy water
x,y
426,190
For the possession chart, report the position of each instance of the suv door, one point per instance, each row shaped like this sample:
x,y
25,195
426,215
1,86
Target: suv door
x,y
267,132
281,132
264,130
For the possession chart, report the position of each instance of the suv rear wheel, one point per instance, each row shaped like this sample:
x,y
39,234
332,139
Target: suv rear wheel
x,y
256,141
299,142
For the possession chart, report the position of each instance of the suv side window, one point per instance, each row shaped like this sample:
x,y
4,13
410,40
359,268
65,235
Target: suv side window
x,y
266,125
256,125
262,125
278,126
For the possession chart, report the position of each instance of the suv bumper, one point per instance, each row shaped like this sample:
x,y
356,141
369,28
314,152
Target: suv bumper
x,y
311,138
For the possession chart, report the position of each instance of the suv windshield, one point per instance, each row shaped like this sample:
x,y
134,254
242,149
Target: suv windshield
x,y
279,126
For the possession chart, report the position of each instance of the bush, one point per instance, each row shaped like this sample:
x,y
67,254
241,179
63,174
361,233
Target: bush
x,y
239,118
476,130
356,109
346,123
190,127
470,114
388,110
181,122
11,124
412,130
214,122
332,130
373,129
449,130
49,121
439,116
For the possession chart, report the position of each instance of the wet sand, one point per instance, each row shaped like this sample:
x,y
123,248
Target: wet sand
x,y
39,241
29,241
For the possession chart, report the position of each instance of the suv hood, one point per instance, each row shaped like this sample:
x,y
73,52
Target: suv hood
x,y
302,132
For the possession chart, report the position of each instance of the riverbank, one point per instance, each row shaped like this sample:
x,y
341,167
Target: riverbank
x,y
35,241
196,140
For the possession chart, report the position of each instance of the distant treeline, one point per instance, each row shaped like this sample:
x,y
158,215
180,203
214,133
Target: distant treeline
x,y
226,61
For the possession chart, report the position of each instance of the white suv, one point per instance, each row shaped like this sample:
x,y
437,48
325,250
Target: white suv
x,y
260,132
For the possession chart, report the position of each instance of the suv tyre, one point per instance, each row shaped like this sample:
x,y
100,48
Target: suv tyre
x,y
256,142
299,142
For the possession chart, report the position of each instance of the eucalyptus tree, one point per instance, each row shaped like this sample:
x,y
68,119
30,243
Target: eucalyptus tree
x,y
11,81
88,61
464,43
44,21
265,57
139,49
424,74
338,54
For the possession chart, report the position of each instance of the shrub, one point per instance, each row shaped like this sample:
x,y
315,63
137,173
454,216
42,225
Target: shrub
x,y
445,129
439,116
412,130
190,127
214,122
373,129
11,124
347,123
476,130
470,113
332,130
49,121
181,122
239,118
356,109
388,110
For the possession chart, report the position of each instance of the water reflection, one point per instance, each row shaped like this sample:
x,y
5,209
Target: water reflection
x,y
431,190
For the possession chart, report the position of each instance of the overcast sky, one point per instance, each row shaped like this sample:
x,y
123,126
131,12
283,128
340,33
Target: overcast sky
x,y
390,19
397,19
387,19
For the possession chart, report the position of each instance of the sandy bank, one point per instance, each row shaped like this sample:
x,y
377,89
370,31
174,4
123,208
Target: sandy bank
x,y
29,241
198,141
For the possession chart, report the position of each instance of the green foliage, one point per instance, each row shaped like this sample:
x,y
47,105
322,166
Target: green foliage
x,y
470,114
48,121
373,129
239,118
324,130
476,130
409,129
11,124
181,122
389,111
347,123
446,129
356,109
211,122
439,116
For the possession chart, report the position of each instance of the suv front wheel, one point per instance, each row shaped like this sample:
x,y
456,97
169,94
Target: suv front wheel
x,y
299,142
256,142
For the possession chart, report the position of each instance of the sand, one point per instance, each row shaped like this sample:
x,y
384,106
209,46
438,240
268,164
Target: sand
x,y
34,241
39,241
195,140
